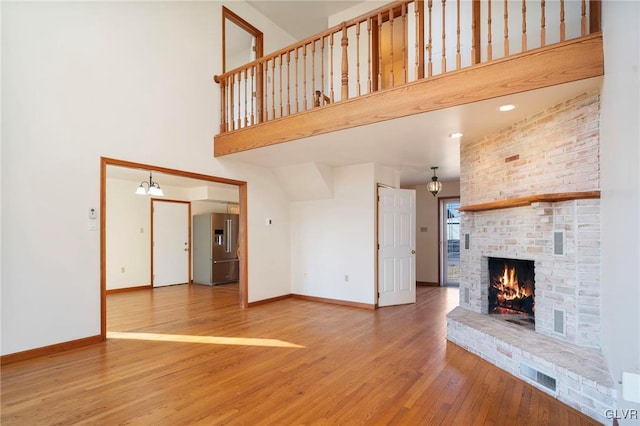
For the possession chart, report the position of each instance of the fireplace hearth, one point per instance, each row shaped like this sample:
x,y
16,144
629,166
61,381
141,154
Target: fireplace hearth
x,y
512,290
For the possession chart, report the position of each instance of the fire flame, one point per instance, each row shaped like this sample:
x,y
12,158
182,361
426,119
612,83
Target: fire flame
x,y
508,286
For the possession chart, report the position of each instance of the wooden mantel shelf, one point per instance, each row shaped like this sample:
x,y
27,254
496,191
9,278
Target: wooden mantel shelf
x,y
526,201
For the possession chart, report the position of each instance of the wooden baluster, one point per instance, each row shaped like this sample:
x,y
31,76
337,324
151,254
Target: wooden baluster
x,y
239,100
281,103
391,79
595,12
265,104
562,24
246,100
252,101
369,64
543,24
231,102
289,83
429,43
223,105
458,57
304,76
345,64
476,49
489,46
380,51
358,59
232,89
506,28
321,69
313,68
297,95
239,96
331,70
583,20
404,43
524,25
444,38
418,49
273,89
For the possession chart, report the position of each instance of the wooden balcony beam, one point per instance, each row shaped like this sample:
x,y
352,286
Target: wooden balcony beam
x,y
560,63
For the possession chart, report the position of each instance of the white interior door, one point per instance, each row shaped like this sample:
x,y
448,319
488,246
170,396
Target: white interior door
x,y
397,242
170,243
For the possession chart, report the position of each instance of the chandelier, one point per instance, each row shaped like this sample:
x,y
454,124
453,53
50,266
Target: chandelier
x,y
153,188
434,186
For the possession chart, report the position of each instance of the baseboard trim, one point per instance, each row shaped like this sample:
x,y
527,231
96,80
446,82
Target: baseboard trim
x,y
272,299
125,289
427,284
334,301
49,350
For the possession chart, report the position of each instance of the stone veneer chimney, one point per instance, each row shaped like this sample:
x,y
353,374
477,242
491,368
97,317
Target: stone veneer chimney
x,y
531,192
553,152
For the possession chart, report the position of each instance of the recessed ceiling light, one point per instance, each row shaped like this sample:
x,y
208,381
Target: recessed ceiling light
x,y
455,135
508,107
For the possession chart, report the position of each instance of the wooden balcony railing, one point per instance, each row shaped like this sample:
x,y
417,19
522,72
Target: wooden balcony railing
x,y
402,42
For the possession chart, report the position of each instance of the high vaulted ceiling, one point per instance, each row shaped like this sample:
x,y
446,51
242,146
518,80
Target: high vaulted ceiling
x,y
301,18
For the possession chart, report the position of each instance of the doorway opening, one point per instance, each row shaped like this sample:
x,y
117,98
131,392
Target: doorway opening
x,y
239,186
450,242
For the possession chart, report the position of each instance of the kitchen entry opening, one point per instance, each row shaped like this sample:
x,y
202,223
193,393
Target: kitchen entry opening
x,y
450,242
512,290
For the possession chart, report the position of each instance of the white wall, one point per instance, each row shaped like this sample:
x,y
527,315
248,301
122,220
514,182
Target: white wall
x,y
427,243
128,236
131,81
620,183
331,238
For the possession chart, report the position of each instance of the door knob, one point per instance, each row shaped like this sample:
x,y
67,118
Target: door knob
x,y
413,252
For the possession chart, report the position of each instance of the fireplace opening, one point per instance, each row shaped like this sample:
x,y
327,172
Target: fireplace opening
x,y
512,290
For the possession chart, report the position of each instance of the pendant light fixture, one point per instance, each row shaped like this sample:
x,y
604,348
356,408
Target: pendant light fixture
x,y
434,186
153,188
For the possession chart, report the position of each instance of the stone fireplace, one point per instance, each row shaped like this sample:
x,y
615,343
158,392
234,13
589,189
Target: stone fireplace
x,y
530,227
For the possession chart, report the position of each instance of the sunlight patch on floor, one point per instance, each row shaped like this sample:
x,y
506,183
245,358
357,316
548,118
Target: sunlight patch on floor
x,y
212,340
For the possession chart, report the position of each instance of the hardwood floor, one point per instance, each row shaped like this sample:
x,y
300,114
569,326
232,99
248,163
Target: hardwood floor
x,y
195,358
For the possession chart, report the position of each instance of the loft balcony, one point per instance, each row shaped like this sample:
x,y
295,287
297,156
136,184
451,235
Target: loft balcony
x,y
407,58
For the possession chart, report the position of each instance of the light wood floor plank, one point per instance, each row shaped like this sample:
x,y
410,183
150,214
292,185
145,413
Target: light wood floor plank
x,y
282,363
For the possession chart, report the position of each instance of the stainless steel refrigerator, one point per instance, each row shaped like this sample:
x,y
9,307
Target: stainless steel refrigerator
x,y
215,244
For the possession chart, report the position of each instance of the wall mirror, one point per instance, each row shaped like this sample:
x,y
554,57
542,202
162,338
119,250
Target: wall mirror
x,y
241,41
